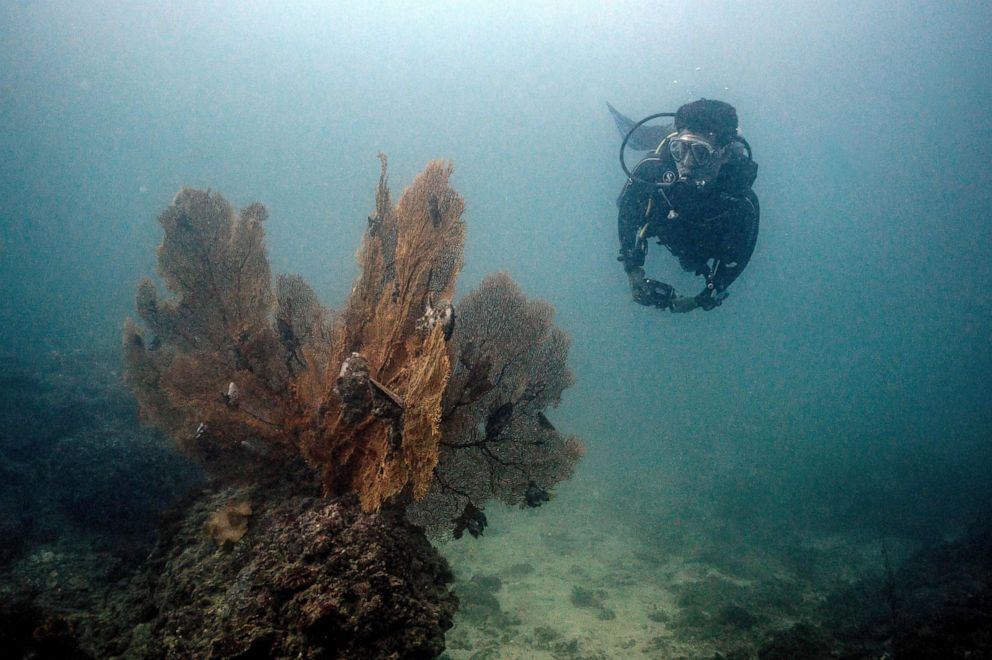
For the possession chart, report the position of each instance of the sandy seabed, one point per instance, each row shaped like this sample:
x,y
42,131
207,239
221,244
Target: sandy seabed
x,y
581,578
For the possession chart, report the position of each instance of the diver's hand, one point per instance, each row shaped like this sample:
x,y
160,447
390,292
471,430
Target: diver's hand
x,y
648,292
706,301
683,304
641,292
709,300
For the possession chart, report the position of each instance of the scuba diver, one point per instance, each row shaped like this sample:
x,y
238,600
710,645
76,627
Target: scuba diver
x,y
692,193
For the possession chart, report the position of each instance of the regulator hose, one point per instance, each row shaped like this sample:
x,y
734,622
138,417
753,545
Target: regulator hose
x,y
623,145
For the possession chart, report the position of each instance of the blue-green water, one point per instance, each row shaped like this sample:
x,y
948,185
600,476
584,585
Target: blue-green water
x,y
852,358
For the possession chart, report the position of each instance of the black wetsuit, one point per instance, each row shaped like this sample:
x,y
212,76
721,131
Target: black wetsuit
x,y
720,224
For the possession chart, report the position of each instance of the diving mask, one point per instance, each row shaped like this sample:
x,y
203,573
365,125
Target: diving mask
x,y
697,160
703,153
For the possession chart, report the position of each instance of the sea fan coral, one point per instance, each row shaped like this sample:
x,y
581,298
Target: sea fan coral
x,y
216,373
410,257
509,366
401,397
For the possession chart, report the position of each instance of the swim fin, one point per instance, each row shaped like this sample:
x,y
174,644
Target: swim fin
x,y
645,138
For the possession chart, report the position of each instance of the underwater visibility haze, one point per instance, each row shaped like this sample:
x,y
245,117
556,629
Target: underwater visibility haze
x,y
802,471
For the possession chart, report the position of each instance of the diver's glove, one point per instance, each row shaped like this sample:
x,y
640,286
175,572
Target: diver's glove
x,y
706,300
648,292
709,300
683,304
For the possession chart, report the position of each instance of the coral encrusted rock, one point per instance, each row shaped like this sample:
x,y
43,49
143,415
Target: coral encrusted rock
x,y
312,578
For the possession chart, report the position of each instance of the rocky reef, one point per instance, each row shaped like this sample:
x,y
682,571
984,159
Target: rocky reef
x,y
315,577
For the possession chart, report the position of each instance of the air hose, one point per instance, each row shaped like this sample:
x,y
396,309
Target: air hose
x,y
623,145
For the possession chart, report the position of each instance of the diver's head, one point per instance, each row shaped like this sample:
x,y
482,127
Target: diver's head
x,y
708,116
696,156
705,128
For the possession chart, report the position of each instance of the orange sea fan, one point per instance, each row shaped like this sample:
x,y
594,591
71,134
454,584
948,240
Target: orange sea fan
x,y
410,257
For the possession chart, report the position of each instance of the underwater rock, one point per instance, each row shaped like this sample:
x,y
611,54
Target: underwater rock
x,y
589,599
73,463
312,577
938,604
478,604
549,639
802,640
735,616
488,582
518,571
544,636
27,631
